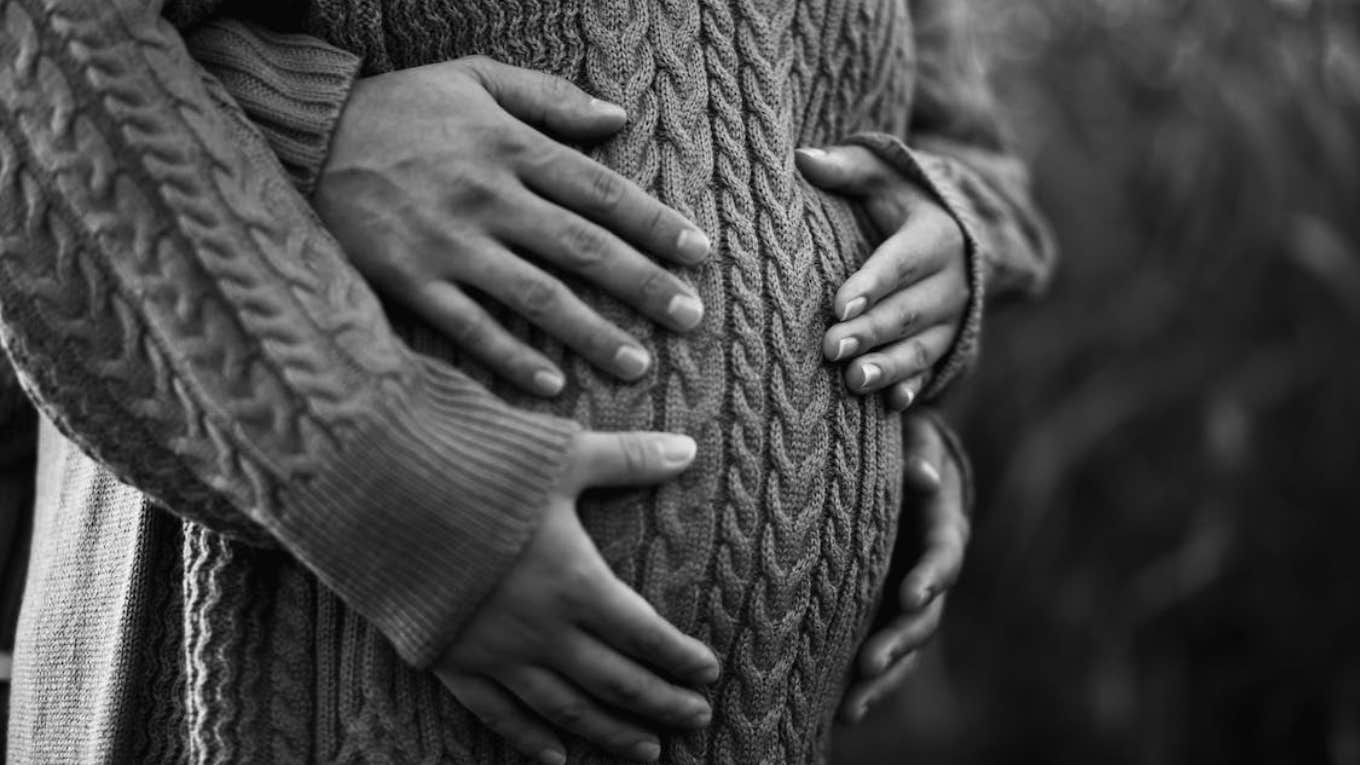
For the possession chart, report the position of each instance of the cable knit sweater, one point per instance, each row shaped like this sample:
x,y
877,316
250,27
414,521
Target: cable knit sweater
x,y
263,510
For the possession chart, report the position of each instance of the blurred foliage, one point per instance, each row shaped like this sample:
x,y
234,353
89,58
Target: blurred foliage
x,y
1165,562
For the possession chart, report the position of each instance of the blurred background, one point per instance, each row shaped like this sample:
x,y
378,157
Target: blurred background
x,y
1165,562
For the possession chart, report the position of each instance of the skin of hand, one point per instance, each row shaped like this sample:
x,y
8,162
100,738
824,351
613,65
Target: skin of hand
x,y
934,488
900,313
563,642
452,176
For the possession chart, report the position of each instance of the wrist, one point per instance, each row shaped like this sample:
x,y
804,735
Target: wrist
x,y
427,508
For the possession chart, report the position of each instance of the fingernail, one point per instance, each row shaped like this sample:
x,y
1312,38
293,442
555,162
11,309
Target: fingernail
x,y
870,374
632,361
686,311
549,382
702,715
931,472
909,395
854,308
677,450
607,109
693,245
846,347
552,757
649,751
860,712
811,152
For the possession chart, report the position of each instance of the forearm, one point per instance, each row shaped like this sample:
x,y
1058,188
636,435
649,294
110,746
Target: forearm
x,y
183,317
957,131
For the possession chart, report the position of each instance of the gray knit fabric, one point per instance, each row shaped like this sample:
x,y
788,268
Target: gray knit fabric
x,y
273,617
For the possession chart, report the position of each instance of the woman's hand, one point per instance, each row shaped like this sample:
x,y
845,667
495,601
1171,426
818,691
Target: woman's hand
x,y
562,642
900,313
438,181
934,487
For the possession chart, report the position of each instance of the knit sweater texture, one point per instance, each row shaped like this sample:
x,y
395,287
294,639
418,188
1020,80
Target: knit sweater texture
x,y
264,507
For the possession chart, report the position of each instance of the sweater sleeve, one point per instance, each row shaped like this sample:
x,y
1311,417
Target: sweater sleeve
x,y
291,86
956,151
178,312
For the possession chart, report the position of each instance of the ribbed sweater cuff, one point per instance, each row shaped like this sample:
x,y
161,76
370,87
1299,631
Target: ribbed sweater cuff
x,y
293,87
427,509
932,173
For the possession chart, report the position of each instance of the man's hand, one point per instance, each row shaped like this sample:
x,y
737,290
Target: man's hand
x,y
900,313
934,485
563,642
439,181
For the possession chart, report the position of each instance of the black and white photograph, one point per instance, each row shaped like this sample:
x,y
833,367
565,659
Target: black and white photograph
x,y
699,382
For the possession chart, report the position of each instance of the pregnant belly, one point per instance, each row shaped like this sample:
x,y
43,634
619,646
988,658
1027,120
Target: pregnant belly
x,y
773,546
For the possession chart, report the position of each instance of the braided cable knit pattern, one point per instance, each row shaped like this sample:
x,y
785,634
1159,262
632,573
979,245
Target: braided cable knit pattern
x,y
182,317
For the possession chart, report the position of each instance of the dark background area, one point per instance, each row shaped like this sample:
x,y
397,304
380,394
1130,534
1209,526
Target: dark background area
x,y
1165,565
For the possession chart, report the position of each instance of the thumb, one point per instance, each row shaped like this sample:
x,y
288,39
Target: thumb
x,y
632,459
847,170
547,101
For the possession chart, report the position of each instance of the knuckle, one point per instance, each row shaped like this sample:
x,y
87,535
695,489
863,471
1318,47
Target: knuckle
x,y
904,268
538,296
515,143
584,245
475,191
540,158
479,66
656,221
876,329
626,692
569,714
907,317
635,453
656,283
557,90
920,355
605,189
468,329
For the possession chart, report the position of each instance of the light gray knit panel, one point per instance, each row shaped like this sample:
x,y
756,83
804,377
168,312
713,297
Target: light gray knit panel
x,y
772,548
